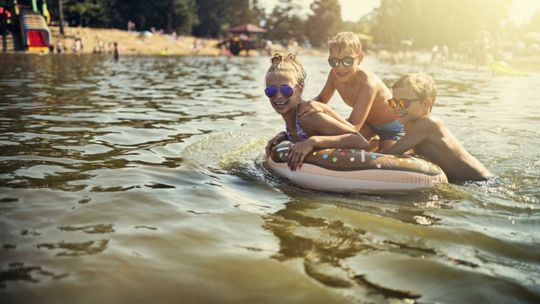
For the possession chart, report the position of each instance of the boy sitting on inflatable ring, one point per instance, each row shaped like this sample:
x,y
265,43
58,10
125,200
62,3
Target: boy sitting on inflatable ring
x,y
426,134
360,89
320,129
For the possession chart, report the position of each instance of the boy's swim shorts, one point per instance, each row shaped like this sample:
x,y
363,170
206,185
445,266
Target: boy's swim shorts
x,y
389,131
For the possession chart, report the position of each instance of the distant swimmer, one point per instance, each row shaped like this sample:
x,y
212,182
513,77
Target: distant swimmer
x,y
116,55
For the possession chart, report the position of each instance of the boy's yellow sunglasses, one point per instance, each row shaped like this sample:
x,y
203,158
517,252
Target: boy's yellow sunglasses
x,y
403,103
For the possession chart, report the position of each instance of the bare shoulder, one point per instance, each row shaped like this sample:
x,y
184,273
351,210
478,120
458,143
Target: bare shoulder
x,y
366,78
375,84
312,106
312,120
433,120
429,123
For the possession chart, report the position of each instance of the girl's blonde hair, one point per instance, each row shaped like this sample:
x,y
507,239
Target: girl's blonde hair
x,y
288,64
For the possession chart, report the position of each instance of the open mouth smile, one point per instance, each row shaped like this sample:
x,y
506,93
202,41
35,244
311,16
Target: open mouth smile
x,y
280,104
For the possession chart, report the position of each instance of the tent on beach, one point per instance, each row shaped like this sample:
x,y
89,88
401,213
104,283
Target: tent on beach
x,y
241,38
247,28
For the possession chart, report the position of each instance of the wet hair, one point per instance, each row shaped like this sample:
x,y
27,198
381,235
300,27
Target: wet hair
x,y
345,41
421,83
288,64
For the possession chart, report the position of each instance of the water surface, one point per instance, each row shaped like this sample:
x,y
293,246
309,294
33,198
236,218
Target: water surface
x,y
143,181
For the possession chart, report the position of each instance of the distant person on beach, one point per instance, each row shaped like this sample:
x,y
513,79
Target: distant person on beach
x,y
319,129
130,26
77,45
116,54
413,98
362,90
100,47
61,47
439,54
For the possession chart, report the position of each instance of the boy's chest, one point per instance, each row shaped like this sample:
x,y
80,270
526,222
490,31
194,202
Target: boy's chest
x,y
349,94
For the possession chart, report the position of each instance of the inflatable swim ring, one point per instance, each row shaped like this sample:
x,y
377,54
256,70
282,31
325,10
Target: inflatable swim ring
x,y
356,171
502,68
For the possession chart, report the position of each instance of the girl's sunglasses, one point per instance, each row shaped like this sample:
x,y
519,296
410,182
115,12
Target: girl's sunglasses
x,y
285,90
403,103
346,62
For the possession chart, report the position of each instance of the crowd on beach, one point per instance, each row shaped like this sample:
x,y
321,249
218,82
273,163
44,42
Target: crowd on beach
x,y
79,40
401,118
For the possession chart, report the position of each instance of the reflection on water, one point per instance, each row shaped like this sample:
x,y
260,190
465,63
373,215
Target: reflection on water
x,y
146,175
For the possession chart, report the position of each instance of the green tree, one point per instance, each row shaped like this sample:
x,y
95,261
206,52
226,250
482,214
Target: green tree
x,y
428,23
81,12
285,23
216,16
324,22
180,15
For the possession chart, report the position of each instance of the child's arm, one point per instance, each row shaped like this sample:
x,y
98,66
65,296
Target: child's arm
x,y
281,136
323,97
327,91
362,106
329,133
418,133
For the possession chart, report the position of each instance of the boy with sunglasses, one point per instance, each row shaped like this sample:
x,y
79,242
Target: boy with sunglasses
x,y
413,98
360,89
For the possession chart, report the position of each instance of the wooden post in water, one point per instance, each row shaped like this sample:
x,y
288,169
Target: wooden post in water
x,y
61,13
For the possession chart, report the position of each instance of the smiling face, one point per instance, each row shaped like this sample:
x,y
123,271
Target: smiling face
x,y
342,72
283,104
417,108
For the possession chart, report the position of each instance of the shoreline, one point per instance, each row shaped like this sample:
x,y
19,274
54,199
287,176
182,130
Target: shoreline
x,y
148,44
99,41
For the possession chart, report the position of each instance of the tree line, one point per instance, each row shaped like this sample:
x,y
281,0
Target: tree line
x,y
205,18
423,22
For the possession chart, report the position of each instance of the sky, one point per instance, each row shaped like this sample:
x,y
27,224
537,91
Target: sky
x,y
521,11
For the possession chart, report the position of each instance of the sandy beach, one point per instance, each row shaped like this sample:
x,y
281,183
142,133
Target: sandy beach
x,y
146,43
134,43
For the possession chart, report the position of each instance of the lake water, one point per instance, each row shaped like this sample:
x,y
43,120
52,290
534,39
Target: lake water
x,y
143,181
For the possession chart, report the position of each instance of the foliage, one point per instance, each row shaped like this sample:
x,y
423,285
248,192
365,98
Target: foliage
x,y
285,23
170,15
428,22
217,16
324,22
423,22
81,12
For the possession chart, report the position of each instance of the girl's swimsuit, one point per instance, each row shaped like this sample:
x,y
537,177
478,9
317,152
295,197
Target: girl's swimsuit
x,y
300,133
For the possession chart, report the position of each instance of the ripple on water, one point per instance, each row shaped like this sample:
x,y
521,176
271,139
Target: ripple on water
x,y
151,170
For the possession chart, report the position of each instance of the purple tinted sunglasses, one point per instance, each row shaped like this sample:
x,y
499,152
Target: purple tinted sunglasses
x,y
285,90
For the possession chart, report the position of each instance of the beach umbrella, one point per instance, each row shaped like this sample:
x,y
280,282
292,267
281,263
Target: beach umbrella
x,y
247,28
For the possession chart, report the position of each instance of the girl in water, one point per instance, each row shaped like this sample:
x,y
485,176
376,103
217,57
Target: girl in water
x,y
320,129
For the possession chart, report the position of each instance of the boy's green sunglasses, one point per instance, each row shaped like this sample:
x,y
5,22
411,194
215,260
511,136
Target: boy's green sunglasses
x,y
346,62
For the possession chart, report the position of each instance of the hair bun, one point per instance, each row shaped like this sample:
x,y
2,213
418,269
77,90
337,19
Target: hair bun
x,y
291,57
277,58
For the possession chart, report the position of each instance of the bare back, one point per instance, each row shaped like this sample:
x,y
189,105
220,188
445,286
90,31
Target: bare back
x,y
441,147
